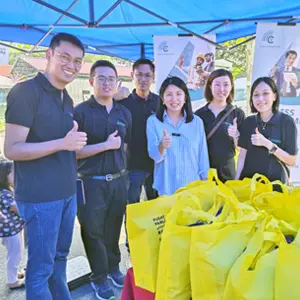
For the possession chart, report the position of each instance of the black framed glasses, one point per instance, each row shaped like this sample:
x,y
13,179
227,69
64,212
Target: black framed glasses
x,y
65,58
110,80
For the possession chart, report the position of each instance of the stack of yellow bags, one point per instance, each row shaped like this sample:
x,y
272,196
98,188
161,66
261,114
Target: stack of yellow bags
x,y
215,241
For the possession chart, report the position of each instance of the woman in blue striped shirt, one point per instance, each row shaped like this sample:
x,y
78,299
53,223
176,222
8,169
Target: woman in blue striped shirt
x,y
176,140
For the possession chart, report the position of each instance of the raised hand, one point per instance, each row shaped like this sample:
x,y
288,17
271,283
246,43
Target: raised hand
x,y
259,140
122,92
74,139
232,130
166,140
113,141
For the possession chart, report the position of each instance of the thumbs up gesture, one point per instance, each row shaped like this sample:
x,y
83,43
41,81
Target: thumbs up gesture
x,y
74,139
166,140
259,140
232,130
113,141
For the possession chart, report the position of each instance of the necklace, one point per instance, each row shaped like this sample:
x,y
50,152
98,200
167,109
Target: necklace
x,y
264,125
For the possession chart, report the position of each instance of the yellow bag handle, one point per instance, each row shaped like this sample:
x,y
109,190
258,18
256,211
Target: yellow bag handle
x,y
258,178
213,175
284,187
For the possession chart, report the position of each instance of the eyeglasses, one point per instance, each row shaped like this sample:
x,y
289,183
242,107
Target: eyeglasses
x,y
147,76
110,80
66,59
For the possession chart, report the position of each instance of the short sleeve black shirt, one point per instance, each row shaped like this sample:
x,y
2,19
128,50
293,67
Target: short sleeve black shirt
x,y
48,113
221,147
141,109
98,124
282,131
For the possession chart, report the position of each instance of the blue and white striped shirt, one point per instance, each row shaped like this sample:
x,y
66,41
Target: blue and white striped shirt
x,y
187,158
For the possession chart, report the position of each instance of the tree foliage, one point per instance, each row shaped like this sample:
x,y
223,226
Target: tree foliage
x,y
237,56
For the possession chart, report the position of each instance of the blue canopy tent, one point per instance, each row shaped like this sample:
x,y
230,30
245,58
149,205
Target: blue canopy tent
x,y
125,28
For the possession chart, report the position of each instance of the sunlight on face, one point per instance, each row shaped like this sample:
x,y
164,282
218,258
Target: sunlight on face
x,y
174,98
263,98
221,88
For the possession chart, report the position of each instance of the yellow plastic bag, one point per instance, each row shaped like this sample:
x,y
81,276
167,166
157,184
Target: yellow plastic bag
x,y
145,223
252,277
245,189
287,279
214,249
173,279
283,206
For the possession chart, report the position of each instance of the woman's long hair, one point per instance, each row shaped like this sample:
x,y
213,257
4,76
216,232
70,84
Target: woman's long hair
x,y
5,168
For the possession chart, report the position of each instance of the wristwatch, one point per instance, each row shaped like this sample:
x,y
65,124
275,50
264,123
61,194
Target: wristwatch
x,y
273,149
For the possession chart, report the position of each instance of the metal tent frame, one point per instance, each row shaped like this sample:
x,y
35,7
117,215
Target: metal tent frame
x,y
104,49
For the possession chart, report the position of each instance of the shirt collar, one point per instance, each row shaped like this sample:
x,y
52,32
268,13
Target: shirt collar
x,y
274,120
227,107
166,117
93,102
149,98
45,83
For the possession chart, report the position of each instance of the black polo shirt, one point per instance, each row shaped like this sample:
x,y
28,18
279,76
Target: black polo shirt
x,y
98,124
221,147
282,131
141,109
38,105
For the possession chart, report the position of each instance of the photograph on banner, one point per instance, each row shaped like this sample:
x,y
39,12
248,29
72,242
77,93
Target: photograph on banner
x,y
277,55
189,58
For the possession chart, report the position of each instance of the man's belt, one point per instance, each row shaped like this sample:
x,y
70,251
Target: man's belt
x,y
107,177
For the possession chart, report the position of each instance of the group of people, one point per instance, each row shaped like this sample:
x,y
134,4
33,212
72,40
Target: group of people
x,y
145,139
199,73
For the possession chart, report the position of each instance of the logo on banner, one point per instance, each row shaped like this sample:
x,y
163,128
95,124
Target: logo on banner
x,y
163,46
269,39
164,49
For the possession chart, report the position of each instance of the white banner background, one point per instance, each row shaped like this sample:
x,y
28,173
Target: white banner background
x,y
177,56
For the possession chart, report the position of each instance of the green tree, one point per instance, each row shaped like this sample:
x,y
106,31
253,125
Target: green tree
x,y
237,56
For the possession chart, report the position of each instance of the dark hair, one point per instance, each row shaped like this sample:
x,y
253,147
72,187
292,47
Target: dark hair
x,y
213,75
65,37
144,61
293,52
187,107
270,82
5,168
102,63
210,54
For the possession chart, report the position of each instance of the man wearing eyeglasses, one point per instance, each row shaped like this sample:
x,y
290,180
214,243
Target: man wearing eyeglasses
x,y
41,137
102,167
141,103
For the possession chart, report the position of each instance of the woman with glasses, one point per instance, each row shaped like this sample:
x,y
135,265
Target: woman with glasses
x,y
268,139
176,140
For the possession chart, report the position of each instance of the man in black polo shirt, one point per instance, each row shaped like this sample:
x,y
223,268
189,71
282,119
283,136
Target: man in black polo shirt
x,y
102,164
41,138
141,103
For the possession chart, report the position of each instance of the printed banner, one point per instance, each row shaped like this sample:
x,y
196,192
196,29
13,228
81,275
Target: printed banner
x,y
189,58
277,55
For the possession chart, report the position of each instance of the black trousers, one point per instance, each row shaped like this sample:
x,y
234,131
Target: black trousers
x,y
101,221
